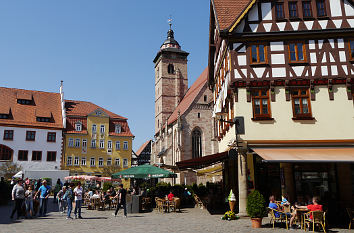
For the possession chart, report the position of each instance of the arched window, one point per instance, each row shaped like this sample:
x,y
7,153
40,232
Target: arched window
x,y
170,69
5,153
196,143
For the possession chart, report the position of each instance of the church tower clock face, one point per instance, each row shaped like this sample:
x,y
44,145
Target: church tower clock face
x,y
171,81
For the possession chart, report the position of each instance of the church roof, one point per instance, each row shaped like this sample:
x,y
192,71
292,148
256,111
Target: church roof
x,y
190,96
228,11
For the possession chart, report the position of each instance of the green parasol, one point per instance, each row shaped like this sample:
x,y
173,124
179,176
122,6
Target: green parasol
x,y
144,171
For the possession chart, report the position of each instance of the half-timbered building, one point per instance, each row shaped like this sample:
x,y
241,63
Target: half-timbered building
x,y
286,67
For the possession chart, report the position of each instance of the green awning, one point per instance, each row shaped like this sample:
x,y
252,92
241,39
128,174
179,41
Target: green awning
x,y
144,171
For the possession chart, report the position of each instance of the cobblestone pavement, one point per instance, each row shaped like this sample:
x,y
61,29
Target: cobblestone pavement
x,y
189,220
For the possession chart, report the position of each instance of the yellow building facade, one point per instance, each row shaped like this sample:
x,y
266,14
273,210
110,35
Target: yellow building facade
x,y
96,142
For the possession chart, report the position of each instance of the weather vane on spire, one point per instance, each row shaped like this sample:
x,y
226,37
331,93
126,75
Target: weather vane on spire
x,y
170,21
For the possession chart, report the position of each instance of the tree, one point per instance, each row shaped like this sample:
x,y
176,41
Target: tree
x,y
9,169
109,170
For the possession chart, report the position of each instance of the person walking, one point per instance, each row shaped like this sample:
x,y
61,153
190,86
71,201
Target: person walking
x,y
61,200
121,195
29,201
78,192
43,192
18,195
68,197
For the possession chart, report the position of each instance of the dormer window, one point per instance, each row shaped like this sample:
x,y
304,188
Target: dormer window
x,y
98,113
170,69
43,119
118,128
4,116
78,126
24,102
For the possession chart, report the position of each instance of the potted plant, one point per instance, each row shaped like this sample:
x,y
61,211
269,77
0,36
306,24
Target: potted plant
x,y
256,208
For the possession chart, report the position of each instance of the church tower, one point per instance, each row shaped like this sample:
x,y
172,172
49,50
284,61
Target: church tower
x,y
171,82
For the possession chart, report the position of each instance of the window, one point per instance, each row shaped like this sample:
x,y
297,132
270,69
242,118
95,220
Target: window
x,y
279,10
30,135
198,114
125,162
196,143
78,126
293,9
94,128
43,119
117,145
51,137
102,129
170,69
297,52
36,155
4,116
77,142
23,155
351,49
83,161
306,8
261,104
109,144
321,8
258,53
118,128
69,161
71,142
23,101
100,162
51,156
301,103
5,153
117,162
76,161
205,98
8,134
93,143
125,145
92,162
109,162
101,144
84,143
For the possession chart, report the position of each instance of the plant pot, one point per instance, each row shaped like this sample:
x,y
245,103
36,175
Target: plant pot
x,y
256,222
232,205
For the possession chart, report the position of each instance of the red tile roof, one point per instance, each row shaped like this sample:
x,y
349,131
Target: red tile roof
x,y
79,110
46,104
227,11
142,147
190,96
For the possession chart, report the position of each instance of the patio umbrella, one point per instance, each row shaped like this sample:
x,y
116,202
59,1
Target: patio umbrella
x,y
144,171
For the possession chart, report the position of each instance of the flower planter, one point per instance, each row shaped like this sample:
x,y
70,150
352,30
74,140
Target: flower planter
x,y
256,222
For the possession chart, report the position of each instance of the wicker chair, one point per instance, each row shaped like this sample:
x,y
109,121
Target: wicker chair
x,y
198,202
282,217
159,204
351,218
318,218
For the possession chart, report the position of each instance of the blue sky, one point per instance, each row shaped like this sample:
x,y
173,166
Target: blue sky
x,y
102,49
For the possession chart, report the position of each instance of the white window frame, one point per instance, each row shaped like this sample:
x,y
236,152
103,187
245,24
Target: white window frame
x,y
71,142
102,129
83,161
109,161
84,143
125,162
76,161
118,128
109,144
93,143
77,142
94,128
78,126
69,161
117,162
100,162
92,162
102,144
117,145
125,145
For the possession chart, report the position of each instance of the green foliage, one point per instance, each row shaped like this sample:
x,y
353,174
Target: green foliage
x,y
9,169
256,205
106,186
230,215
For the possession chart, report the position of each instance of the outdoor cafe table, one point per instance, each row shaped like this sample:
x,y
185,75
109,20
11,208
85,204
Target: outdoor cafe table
x,y
300,212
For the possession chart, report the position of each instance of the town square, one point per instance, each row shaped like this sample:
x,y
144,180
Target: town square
x,y
184,116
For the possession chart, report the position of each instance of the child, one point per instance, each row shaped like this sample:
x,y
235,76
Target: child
x,y
29,201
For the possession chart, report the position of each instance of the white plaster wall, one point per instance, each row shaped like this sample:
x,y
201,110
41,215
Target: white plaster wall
x,y
40,144
334,119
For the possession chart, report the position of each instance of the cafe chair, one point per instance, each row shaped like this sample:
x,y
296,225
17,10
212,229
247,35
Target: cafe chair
x,y
318,218
198,201
351,218
159,204
282,217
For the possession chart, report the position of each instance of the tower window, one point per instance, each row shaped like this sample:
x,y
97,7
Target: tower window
x,y
196,143
198,114
170,69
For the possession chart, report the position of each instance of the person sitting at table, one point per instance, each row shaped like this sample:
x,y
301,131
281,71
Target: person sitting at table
x,y
312,207
96,195
277,212
90,193
284,199
113,192
170,196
